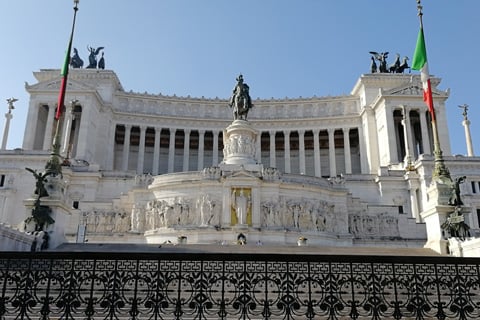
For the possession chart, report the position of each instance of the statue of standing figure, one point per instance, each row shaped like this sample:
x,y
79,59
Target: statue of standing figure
x,y
240,100
240,203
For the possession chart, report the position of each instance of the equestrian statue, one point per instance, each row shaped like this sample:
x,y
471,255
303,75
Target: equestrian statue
x,y
240,100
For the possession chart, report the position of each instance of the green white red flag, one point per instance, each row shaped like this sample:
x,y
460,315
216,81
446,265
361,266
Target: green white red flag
x,y
420,63
63,85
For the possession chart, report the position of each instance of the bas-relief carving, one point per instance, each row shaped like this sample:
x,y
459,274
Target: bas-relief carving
x,y
179,211
366,225
106,221
303,214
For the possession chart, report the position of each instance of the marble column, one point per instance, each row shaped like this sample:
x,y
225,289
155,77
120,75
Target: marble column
x,y
363,154
110,155
126,147
171,150
468,137
141,150
186,150
215,148
331,152
286,135
47,140
201,149
8,117
156,151
67,128
258,147
346,148
408,137
427,149
31,125
273,163
301,140
316,153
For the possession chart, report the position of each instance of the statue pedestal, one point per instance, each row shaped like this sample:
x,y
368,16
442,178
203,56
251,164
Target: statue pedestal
x,y
239,143
60,214
434,218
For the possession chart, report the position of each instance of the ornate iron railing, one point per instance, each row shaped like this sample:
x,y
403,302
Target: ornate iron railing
x,y
236,286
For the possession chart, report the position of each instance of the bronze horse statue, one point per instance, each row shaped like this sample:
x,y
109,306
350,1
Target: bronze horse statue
x,y
240,100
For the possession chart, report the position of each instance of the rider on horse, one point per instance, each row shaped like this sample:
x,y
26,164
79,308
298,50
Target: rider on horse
x,y
240,100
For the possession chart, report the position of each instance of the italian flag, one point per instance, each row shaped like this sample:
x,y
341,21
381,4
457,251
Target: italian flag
x,y
63,85
420,63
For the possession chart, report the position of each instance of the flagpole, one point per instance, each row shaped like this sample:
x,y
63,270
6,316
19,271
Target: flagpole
x,y
440,171
53,164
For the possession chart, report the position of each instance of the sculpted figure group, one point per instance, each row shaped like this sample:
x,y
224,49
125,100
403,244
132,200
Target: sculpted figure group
x,y
77,62
382,67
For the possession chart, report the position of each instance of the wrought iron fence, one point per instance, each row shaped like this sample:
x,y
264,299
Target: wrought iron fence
x,y
236,286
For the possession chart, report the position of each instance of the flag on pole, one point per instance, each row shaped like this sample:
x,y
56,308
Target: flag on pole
x,y
63,85
420,63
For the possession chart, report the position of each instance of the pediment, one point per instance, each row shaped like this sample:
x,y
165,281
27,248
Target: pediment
x,y
411,89
242,173
54,85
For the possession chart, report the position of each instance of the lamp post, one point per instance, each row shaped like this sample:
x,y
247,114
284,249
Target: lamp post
x,y
8,117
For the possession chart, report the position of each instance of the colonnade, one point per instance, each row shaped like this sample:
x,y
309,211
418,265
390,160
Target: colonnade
x,y
157,150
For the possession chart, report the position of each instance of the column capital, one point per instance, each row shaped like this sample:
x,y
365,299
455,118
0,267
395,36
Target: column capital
x,y
128,126
172,130
301,132
286,132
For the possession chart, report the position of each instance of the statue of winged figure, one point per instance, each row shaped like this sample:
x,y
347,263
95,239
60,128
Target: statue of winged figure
x,y
382,58
92,58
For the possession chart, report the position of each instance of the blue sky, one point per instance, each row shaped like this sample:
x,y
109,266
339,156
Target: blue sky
x,y
284,48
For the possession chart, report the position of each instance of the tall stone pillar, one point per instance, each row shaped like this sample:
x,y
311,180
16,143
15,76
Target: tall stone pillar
x,y
8,117
201,149
47,140
301,139
286,135
316,153
156,151
141,150
346,150
427,149
273,162
258,150
408,138
215,148
171,150
186,150
468,137
331,152
67,127
126,147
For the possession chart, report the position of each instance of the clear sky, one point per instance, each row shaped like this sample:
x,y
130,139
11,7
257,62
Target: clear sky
x,y
284,48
